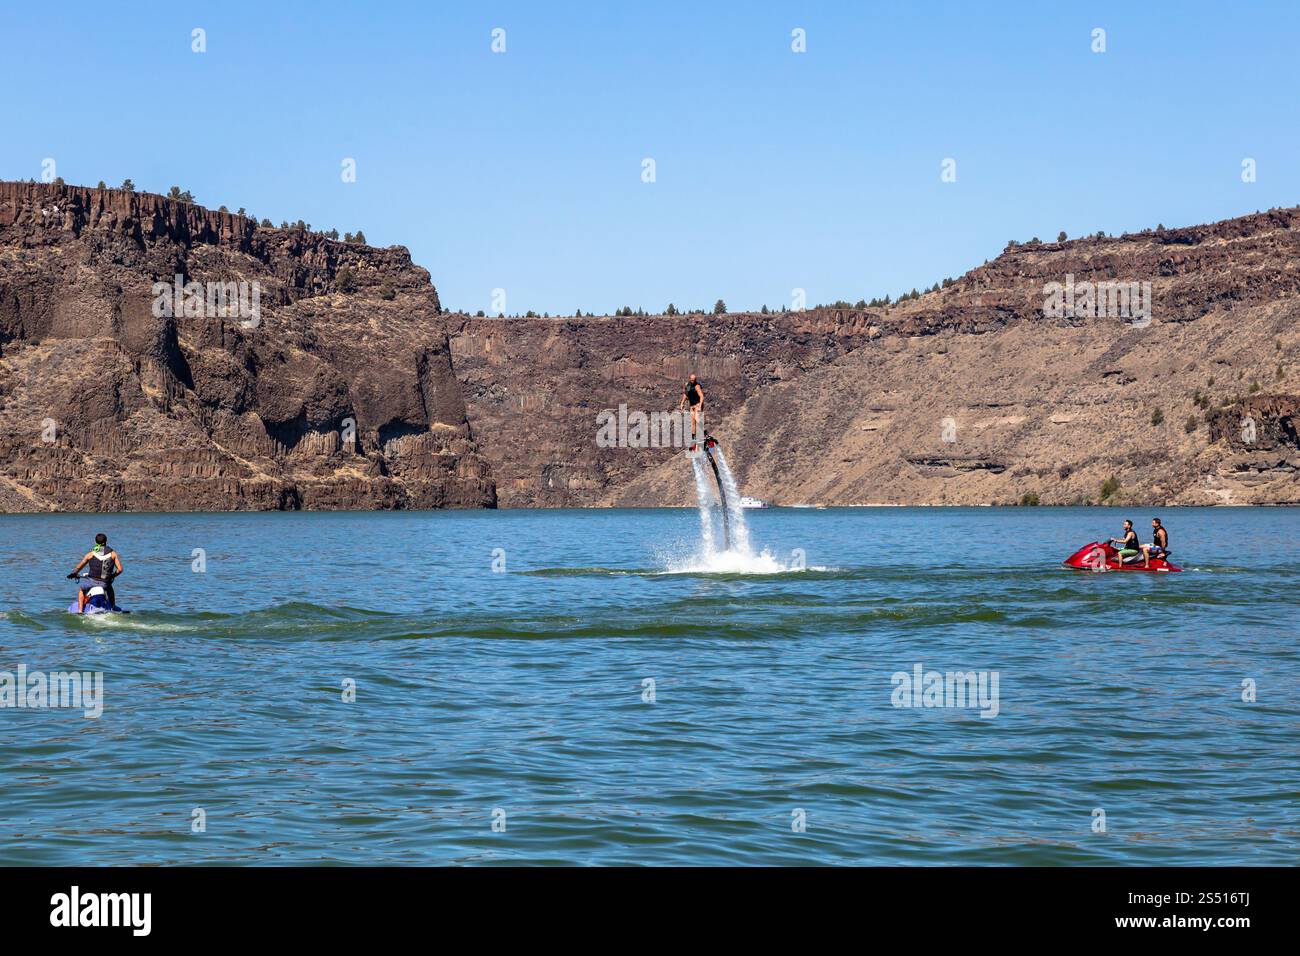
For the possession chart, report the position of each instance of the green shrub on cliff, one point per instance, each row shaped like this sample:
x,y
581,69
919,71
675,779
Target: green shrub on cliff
x,y
345,281
1109,488
719,307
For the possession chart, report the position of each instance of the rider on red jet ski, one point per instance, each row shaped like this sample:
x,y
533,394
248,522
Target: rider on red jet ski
x,y
1130,548
1159,548
1128,545
1105,556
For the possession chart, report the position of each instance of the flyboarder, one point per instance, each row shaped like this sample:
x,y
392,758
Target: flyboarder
x,y
693,394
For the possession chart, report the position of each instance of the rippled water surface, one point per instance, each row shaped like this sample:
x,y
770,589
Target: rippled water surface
x,y
522,697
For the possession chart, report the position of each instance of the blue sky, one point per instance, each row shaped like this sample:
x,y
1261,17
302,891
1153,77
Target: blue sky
x,y
774,170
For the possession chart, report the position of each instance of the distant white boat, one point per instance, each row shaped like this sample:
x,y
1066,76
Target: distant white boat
x,y
748,502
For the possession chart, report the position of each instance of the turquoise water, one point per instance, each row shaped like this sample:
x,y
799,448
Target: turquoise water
x,y
523,692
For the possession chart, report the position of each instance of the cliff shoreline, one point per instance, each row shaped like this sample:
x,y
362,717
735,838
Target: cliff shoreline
x,y
353,389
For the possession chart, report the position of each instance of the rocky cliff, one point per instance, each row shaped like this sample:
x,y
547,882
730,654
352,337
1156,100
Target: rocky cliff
x,y
1034,376
155,355
535,388
989,391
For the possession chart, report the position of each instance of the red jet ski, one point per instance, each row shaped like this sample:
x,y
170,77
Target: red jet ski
x,y
1103,557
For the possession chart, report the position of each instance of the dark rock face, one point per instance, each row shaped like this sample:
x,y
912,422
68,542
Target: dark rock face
x,y
534,387
1259,423
978,394
1251,260
352,389
312,397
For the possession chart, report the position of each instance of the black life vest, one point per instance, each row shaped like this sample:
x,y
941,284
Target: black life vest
x,y
101,565
693,393
1159,534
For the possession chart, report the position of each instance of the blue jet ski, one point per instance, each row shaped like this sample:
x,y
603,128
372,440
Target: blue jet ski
x,y
96,603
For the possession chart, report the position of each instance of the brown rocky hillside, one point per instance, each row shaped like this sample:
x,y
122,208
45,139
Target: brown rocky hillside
x,y
354,390
1051,407
333,399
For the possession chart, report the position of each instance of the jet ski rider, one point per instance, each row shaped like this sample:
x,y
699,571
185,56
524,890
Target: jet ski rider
x,y
105,565
693,393
1159,548
1128,545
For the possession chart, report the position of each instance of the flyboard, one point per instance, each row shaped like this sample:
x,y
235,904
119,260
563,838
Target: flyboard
x,y
704,446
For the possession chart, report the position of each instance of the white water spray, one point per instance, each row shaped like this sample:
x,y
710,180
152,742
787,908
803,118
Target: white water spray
x,y
737,557
704,497
735,513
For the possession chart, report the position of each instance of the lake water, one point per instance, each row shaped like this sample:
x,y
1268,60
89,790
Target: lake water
x,y
508,716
